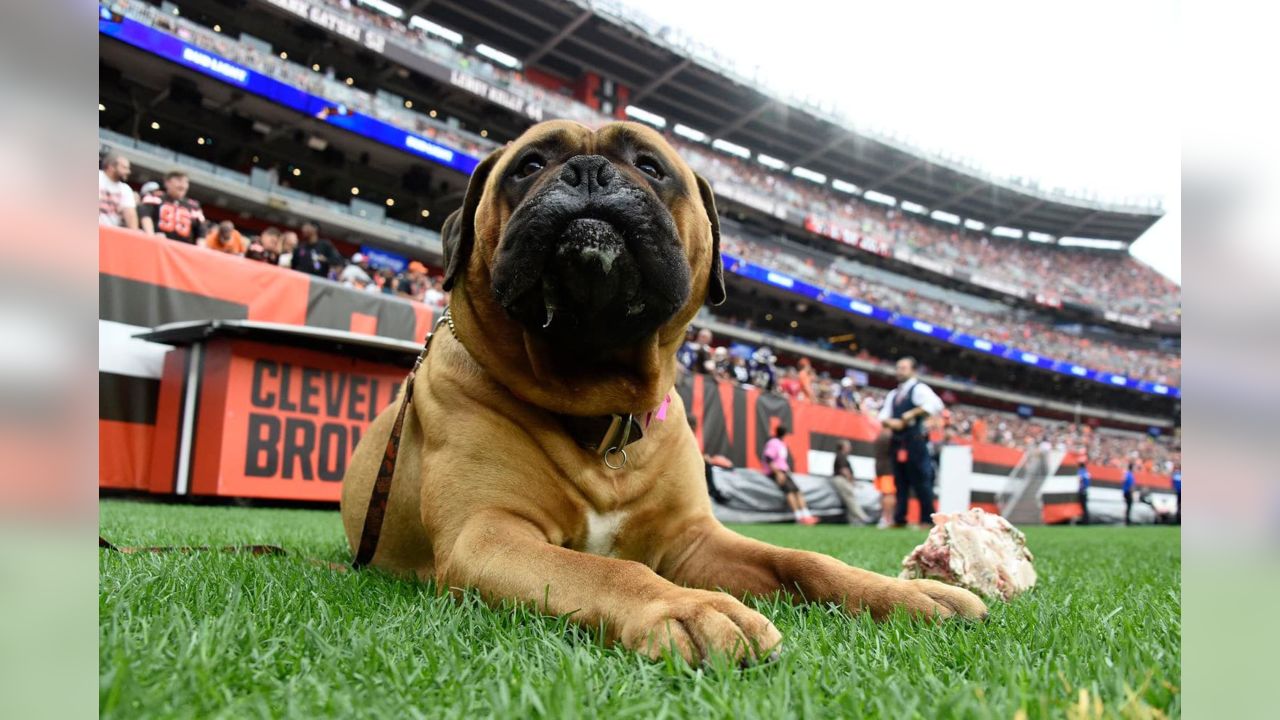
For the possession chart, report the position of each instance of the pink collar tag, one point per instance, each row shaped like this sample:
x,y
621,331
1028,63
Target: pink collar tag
x,y
660,413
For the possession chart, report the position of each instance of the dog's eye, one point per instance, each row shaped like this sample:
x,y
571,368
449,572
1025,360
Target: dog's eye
x,y
530,166
649,167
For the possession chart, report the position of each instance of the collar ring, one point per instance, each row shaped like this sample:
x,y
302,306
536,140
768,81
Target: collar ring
x,y
611,452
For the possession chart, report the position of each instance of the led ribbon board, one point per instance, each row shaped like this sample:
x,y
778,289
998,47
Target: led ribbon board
x,y
202,61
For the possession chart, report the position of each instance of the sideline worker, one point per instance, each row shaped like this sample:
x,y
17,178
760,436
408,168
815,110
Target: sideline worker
x,y
1082,490
904,412
1127,489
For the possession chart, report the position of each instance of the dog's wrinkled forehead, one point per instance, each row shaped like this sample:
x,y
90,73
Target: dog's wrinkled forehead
x,y
555,141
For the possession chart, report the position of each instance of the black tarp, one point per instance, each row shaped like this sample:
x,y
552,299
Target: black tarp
x,y
751,496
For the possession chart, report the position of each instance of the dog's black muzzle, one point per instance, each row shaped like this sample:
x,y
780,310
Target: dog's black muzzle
x,y
592,259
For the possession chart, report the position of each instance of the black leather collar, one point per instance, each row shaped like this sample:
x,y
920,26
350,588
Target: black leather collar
x,y
601,433
605,435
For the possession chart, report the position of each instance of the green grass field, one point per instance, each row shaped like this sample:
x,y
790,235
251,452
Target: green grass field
x,y
219,635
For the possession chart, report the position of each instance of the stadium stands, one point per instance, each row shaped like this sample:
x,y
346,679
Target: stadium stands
x,y
832,239
1035,337
999,325
1113,282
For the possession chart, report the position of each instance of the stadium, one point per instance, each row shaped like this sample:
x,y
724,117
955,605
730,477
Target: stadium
x,y
279,257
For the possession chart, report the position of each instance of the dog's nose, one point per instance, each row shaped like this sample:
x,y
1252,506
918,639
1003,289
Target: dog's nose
x,y
588,173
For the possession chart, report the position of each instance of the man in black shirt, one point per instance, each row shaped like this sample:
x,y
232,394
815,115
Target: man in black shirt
x,y
315,255
173,214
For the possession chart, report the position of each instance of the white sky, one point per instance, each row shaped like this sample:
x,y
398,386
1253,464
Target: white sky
x,y
1076,94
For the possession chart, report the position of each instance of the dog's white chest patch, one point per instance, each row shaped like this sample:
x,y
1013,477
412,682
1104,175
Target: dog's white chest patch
x,y
602,530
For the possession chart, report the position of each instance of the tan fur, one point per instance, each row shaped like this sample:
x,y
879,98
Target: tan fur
x,y
491,493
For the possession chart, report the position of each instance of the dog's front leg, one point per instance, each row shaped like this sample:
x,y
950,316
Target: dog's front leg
x,y
506,557
707,555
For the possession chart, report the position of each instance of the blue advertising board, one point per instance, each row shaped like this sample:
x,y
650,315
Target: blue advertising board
x,y
858,307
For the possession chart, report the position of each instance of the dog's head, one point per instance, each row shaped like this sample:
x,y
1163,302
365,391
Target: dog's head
x,y
588,252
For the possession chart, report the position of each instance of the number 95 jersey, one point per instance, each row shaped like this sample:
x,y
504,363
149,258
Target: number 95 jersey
x,y
179,219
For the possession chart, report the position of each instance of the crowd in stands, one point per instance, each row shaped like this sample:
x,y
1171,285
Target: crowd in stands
x,y
1004,329
1114,281
1101,446
758,367
168,211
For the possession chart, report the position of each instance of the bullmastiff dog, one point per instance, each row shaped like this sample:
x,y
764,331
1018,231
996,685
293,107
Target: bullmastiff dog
x,y
545,458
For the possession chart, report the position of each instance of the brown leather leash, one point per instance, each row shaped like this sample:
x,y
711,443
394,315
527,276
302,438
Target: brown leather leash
x,y
251,549
377,511
255,550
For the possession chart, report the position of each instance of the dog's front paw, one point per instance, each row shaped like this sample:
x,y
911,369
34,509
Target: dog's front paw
x,y
699,625
930,599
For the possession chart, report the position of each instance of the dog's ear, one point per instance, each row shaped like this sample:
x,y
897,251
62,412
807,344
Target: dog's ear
x,y
458,235
715,284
